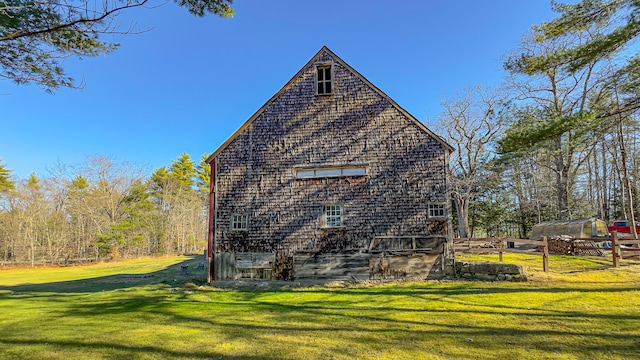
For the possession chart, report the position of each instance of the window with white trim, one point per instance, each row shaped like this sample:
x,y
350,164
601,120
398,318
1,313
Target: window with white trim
x,y
324,80
330,172
437,211
239,222
332,216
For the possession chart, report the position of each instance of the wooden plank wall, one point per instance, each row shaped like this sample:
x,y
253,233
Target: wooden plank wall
x,y
386,258
334,266
235,266
399,267
224,265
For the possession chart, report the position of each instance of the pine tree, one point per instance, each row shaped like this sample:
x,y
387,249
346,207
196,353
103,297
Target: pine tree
x,y
5,179
183,169
203,174
36,35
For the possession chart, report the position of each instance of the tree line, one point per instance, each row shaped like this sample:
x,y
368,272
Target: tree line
x,y
559,139
103,209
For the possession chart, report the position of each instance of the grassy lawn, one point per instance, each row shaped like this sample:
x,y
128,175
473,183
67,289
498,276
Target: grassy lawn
x,y
144,309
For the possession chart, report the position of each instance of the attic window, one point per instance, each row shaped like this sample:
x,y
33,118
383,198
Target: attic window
x,y
324,80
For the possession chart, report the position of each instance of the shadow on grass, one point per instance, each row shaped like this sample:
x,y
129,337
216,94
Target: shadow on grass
x,y
111,350
393,316
171,275
367,318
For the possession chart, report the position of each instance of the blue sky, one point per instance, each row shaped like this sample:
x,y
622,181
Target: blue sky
x,y
188,83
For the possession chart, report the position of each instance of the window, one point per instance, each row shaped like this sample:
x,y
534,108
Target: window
x,y
323,80
239,222
330,172
437,211
333,216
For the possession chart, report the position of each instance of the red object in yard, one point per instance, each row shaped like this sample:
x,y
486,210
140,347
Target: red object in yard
x,y
623,227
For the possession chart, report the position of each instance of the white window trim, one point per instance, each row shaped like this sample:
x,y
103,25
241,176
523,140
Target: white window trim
x,y
326,172
439,207
244,222
326,224
330,81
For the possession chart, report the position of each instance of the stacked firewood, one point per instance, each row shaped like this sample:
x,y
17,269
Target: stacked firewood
x,y
562,245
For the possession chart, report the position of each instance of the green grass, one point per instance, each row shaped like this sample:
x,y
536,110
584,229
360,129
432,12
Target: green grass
x,y
581,309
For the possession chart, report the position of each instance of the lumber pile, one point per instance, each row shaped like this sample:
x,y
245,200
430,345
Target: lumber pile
x,y
562,245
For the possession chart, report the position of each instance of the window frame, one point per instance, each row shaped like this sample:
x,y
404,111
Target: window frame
x,y
437,211
329,220
330,171
325,68
239,219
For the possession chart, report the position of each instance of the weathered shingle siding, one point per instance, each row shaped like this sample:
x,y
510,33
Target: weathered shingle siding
x,y
356,125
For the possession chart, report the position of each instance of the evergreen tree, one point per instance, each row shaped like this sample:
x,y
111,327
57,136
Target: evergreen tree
x,y
183,170
616,24
596,30
203,174
5,179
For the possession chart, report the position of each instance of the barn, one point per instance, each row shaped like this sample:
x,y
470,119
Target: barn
x,y
329,179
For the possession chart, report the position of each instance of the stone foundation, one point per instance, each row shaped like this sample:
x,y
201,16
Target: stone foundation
x,y
490,271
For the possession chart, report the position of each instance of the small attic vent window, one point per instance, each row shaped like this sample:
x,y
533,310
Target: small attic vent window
x,y
324,80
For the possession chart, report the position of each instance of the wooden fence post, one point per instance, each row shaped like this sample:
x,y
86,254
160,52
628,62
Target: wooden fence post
x,y
545,254
500,246
615,249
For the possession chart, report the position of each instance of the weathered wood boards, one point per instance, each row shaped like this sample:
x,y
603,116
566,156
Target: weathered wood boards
x,y
335,266
244,266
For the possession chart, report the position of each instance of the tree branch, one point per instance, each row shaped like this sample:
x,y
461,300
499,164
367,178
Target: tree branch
x,y
107,13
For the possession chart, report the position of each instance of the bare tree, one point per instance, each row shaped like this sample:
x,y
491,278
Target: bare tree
x,y
471,122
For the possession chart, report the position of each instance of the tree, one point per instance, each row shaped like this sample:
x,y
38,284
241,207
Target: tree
x,y
5,179
472,122
609,27
109,183
181,206
83,228
35,35
183,169
566,70
555,105
203,175
622,18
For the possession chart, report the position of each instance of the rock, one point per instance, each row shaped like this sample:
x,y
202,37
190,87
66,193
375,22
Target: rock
x,y
485,277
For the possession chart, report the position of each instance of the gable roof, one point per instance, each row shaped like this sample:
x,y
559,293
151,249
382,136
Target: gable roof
x,y
338,60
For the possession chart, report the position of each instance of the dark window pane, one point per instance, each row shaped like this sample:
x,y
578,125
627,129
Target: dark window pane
x,y
320,88
320,74
328,88
327,73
